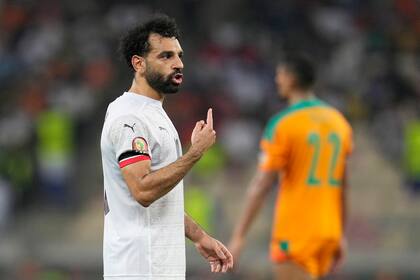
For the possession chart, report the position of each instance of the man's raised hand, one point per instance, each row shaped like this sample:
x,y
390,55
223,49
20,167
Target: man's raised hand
x,y
203,135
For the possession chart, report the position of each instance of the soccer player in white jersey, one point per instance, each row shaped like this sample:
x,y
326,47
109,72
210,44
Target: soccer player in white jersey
x,y
145,224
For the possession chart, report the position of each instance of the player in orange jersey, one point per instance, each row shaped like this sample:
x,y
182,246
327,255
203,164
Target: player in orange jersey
x,y
306,145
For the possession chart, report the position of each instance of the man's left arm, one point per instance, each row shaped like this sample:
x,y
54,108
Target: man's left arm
x,y
218,256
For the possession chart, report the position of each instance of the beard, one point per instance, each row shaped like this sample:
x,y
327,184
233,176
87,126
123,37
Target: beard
x,y
161,83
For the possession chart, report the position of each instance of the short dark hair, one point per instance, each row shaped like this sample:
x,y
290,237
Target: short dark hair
x,y
136,40
302,67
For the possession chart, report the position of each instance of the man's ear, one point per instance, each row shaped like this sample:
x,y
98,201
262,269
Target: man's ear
x,y
290,79
138,63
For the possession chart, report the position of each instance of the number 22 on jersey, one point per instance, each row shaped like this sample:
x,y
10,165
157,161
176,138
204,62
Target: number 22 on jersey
x,y
318,143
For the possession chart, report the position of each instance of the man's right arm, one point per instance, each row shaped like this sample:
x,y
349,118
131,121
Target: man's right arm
x,y
273,158
257,192
147,186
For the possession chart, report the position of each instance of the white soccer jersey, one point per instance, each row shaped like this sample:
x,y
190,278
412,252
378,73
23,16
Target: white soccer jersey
x,y
140,243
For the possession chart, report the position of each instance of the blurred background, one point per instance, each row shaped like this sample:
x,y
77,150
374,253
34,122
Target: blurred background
x,y
59,69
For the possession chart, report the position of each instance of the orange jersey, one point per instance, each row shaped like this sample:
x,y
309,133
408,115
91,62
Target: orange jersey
x,y
308,144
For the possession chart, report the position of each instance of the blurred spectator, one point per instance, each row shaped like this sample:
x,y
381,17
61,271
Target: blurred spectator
x,y
411,153
55,151
199,205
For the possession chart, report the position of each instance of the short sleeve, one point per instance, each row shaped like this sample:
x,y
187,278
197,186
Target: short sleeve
x,y
274,149
131,139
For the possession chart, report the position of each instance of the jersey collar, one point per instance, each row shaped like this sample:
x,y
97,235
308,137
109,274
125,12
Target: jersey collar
x,y
142,98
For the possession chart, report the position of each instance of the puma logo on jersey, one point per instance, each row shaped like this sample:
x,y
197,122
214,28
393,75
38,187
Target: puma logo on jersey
x,y
130,126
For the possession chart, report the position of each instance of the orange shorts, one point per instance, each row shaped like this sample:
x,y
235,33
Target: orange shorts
x,y
315,257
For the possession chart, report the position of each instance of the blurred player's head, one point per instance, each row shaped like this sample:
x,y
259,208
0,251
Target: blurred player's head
x,y
153,52
295,74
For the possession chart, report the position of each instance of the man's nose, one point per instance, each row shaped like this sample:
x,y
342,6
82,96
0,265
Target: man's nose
x,y
178,64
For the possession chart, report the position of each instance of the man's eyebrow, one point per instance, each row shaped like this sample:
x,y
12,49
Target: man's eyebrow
x,y
165,53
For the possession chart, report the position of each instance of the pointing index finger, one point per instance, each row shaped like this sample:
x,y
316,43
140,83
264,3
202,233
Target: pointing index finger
x,y
210,118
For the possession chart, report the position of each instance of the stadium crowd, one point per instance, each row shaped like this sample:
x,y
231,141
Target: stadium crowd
x,y
59,69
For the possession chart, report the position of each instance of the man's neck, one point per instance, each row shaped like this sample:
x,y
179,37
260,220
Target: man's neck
x,y
298,96
141,87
